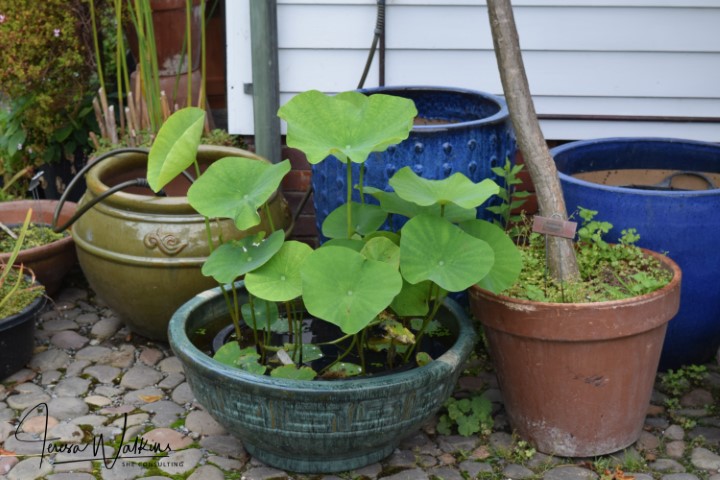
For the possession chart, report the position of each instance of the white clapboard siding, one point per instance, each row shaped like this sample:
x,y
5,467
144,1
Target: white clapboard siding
x,y
655,59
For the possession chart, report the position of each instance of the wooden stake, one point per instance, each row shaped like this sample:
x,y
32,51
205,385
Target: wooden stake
x,y
100,117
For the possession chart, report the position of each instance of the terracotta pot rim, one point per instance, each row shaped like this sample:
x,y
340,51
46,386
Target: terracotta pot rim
x,y
669,263
42,251
579,322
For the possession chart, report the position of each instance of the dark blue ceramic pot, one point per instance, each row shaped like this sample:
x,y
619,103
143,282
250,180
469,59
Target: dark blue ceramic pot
x,y
458,130
683,223
317,426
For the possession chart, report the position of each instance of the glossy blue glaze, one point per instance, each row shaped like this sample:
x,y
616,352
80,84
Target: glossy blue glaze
x,y
685,224
316,426
476,136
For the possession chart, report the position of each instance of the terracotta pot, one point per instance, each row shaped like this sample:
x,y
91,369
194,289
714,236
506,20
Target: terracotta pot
x,y
577,378
50,262
142,254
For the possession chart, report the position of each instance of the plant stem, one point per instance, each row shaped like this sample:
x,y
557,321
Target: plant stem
x,y
361,183
253,317
361,349
96,45
348,180
342,355
188,55
268,214
437,303
203,60
233,309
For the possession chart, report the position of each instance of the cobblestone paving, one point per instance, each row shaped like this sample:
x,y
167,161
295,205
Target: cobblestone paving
x,y
89,378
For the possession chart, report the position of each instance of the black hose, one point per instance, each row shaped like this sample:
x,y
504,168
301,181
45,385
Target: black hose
x,y
379,31
138,182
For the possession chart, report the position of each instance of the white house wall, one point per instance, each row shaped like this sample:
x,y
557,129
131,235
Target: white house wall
x,y
648,58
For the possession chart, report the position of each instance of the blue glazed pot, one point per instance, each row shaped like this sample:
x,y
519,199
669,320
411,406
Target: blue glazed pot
x,y
467,131
685,224
315,426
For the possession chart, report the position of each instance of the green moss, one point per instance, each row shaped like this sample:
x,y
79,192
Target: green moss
x,y
607,271
37,235
20,298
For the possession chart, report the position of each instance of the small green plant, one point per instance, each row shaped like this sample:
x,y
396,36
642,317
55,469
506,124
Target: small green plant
x,y
36,235
680,381
16,292
468,415
522,452
382,290
511,198
607,271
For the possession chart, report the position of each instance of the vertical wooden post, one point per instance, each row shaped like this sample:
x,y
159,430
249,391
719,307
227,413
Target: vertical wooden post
x,y
265,78
561,255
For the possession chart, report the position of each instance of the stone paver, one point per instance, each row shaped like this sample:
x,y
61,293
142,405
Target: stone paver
x,y
102,385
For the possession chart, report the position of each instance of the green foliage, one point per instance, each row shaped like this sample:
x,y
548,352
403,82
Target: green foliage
x,y
511,198
680,381
16,292
468,415
607,271
37,235
382,290
46,80
522,452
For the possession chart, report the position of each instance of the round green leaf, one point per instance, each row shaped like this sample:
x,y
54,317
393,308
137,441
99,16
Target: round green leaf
x,y
412,299
291,372
508,261
390,202
383,250
431,248
343,287
343,370
310,352
366,218
279,279
245,359
349,125
238,257
351,243
457,189
261,314
235,187
175,146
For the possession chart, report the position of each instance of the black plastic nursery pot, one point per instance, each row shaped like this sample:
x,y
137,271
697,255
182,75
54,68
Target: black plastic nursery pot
x,y
17,337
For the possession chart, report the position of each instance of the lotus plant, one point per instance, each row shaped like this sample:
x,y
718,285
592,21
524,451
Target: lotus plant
x,y
381,289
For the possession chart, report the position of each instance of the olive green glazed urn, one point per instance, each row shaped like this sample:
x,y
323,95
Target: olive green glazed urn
x,y
317,426
142,254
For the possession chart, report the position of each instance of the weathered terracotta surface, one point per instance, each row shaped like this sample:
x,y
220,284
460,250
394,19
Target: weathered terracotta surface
x,y
576,379
51,262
